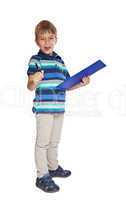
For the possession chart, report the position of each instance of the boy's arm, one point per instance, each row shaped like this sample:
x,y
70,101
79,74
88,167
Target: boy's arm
x,y
34,79
84,82
31,84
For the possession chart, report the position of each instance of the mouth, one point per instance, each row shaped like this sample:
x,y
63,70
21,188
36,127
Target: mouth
x,y
47,48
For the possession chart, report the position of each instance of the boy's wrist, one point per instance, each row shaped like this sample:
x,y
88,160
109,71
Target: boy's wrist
x,y
36,82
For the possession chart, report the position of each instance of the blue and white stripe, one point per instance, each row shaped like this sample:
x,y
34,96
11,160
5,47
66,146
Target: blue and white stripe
x,y
48,99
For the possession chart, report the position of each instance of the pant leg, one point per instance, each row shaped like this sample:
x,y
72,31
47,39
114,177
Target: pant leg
x,y
52,153
44,124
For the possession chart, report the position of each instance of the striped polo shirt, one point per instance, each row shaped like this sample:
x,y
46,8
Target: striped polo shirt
x,y
48,99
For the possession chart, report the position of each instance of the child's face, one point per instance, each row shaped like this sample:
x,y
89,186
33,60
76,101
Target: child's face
x,y
46,42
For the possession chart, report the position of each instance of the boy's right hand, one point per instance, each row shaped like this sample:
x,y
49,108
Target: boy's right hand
x,y
38,76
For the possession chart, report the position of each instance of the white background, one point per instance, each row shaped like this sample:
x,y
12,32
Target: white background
x,y
93,141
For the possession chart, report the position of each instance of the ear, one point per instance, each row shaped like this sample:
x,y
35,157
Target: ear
x,y
55,39
37,43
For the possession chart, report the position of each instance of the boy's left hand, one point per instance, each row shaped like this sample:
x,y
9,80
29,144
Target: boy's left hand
x,y
85,81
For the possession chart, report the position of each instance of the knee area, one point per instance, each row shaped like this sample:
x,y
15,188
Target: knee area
x,y
42,145
53,144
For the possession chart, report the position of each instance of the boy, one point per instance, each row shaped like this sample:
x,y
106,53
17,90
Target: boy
x,y
46,71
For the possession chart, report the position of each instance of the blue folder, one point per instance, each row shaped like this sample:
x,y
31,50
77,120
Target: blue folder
x,y
75,79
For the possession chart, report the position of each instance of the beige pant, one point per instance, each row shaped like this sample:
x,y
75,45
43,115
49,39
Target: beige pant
x,y
49,128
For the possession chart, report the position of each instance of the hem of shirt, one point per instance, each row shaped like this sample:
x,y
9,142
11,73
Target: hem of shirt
x,y
49,112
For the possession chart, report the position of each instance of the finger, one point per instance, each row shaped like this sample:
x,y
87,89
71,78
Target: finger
x,y
84,79
88,79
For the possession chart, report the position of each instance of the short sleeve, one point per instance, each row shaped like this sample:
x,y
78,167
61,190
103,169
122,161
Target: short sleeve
x,y
33,66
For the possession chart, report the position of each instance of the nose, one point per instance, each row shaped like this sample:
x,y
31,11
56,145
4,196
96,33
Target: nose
x,y
46,41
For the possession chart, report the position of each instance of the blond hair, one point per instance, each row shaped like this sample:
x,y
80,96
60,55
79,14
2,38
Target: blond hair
x,y
44,26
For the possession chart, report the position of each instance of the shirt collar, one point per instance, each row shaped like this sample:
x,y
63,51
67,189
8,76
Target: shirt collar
x,y
47,56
